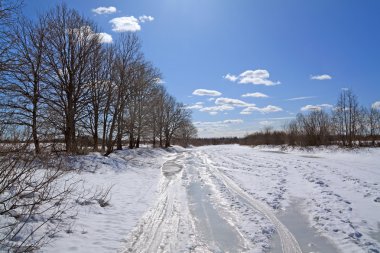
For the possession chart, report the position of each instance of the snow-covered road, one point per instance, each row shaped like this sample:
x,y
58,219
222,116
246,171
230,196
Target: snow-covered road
x,y
229,198
240,199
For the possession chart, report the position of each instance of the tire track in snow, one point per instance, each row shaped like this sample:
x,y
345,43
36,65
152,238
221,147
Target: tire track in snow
x,y
167,225
289,243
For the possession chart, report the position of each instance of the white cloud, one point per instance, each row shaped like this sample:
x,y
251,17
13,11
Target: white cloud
x,y
195,107
219,108
232,102
376,105
85,32
233,121
299,98
266,109
311,108
225,128
203,92
213,113
326,105
125,24
211,99
218,124
321,77
146,18
316,107
105,10
258,77
105,38
230,77
255,95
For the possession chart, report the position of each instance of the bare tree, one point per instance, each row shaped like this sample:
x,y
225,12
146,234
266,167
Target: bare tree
x,y
373,123
127,53
70,44
141,102
174,116
346,117
97,92
109,89
8,12
160,95
22,92
185,133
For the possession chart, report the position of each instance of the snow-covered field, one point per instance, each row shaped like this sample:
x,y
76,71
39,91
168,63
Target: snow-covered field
x,y
229,199
133,176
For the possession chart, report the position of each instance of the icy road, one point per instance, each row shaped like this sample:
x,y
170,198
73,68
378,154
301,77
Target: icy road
x,y
240,199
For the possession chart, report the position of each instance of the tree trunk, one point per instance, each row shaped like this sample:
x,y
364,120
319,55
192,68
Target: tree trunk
x,y
138,142
131,140
119,136
34,128
96,140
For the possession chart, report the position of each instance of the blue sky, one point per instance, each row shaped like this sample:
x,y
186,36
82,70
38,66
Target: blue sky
x,y
290,49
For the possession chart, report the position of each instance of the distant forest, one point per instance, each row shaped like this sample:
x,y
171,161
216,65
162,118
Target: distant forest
x,y
348,124
60,84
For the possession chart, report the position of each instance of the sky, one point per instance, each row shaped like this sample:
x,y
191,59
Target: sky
x,y
242,65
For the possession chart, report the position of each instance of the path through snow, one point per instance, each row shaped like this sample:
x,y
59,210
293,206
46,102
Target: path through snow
x,y
187,218
229,198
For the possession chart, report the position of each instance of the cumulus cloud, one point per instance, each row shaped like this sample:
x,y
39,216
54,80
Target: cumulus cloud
x,y
125,24
230,77
232,102
105,38
129,24
266,109
213,113
376,105
321,77
299,98
255,95
316,107
195,107
258,77
146,18
218,123
105,10
219,108
203,92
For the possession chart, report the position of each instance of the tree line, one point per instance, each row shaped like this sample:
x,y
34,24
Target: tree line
x,y
348,124
58,81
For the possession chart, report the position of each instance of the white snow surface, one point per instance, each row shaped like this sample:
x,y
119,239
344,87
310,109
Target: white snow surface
x,y
338,190
227,198
134,177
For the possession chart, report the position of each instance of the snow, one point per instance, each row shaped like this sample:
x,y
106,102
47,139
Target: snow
x,y
134,177
337,189
228,198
